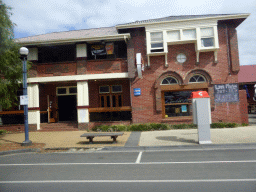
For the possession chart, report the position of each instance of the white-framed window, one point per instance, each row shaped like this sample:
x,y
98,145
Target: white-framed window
x,y
66,90
169,81
207,37
173,35
189,34
156,42
197,79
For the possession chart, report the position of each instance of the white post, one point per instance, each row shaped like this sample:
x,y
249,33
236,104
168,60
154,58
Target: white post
x,y
33,105
83,103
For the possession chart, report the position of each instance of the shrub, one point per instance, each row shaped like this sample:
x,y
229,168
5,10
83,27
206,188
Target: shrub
x,y
3,132
183,126
244,124
223,125
231,125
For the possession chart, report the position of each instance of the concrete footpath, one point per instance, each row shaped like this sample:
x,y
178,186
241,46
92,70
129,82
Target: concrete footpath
x,y
72,139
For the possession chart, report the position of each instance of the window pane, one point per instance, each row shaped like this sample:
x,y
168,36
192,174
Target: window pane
x,y
108,101
207,42
177,110
189,34
104,89
156,45
207,32
196,79
102,101
72,90
165,81
158,36
62,91
114,100
173,35
116,88
169,80
120,100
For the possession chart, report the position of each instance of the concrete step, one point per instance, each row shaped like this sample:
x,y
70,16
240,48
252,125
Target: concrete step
x,y
63,126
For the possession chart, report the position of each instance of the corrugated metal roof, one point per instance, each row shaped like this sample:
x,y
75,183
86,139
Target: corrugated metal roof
x,y
77,34
247,74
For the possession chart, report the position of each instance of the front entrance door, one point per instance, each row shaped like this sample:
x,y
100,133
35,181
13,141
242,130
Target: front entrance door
x,y
67,108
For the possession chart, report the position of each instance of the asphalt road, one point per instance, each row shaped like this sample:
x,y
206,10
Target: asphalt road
x,y
162,169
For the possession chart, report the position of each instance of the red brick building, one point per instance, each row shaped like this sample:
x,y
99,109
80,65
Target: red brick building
x,y
137,72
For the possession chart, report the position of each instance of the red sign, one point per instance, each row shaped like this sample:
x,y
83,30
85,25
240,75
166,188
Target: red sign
x,y
199,94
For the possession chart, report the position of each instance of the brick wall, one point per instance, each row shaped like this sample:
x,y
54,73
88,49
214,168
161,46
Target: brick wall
x,y
94,99
143,107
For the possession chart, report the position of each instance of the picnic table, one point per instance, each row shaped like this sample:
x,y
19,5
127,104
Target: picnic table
x,y
113,135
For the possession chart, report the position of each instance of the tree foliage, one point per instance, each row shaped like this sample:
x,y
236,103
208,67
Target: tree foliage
x,y
10,63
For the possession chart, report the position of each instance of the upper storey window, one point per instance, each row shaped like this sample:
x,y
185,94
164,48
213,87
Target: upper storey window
x,y
207,37
157,44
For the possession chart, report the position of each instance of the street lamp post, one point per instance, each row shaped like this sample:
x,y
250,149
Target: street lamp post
x,y
24,54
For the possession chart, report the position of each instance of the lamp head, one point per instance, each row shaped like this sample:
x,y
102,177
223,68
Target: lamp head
x,y
24,51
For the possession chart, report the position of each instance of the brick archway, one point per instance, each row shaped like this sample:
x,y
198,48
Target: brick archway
x,y
158,88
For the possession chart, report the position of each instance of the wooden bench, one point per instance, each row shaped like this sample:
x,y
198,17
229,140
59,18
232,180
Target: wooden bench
x,y
90,136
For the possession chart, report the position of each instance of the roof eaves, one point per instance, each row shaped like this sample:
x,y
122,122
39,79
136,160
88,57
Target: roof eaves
x,y
224,17
74,40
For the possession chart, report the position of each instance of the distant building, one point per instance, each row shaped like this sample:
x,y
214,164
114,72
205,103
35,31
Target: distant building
x,y
247,81
137,72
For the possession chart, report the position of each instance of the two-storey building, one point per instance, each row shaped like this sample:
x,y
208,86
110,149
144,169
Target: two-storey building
x,y
137,72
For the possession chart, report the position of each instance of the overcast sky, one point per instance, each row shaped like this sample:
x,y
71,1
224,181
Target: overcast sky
x,y
34,17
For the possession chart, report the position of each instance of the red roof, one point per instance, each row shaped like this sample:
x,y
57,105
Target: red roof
x,y
247,73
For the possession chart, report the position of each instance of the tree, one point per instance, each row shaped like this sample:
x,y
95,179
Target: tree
x,y
10,63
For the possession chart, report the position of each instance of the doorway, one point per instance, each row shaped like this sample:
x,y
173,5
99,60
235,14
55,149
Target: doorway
x,y
67,108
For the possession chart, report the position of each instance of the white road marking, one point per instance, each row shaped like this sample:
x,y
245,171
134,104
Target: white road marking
x,y
169,150
130,181
137,163
139,157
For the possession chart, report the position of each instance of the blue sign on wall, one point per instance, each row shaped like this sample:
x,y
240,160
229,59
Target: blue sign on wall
x,y
137,91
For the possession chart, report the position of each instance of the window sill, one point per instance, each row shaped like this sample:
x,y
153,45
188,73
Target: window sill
x,y
177,119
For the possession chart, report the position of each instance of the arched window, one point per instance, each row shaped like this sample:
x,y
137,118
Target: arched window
x,y
197,79
169,80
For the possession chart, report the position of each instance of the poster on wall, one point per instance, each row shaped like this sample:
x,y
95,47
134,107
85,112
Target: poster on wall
x,y
226,93
98,50
110,48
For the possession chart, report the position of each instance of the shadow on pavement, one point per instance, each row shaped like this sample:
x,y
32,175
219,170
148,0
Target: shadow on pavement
x,y
174,138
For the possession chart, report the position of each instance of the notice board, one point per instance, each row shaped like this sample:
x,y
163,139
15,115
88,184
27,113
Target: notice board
x,y
226,93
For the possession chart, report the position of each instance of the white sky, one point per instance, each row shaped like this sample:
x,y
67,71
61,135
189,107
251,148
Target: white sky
x,y
34,17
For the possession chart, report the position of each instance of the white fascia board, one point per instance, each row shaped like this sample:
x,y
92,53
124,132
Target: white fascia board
x,y
224,17
181,25
78,77
90,39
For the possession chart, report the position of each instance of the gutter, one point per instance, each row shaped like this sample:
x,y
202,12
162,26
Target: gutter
x,y
124,36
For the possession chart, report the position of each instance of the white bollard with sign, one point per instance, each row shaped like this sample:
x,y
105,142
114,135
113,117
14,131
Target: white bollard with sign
x,y
202,115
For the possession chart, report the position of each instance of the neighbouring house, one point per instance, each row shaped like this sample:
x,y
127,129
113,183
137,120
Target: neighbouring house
x,y
136,72
247,81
